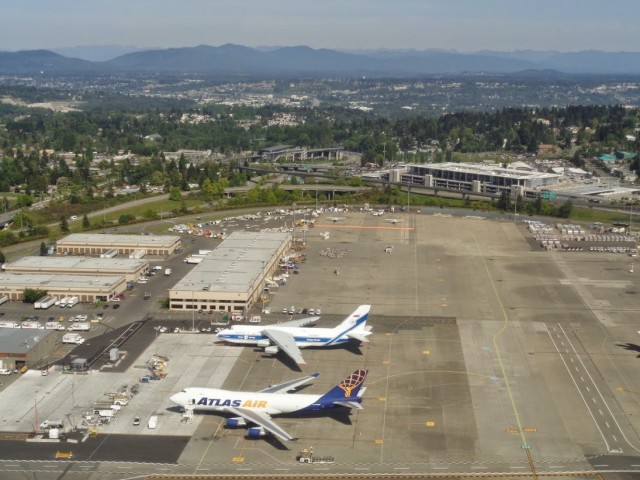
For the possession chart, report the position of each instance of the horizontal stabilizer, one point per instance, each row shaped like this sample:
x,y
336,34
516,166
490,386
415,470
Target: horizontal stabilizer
x,y
354,405
360,336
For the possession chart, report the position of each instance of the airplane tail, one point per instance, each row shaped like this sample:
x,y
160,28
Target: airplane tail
x,y
357,320
348,392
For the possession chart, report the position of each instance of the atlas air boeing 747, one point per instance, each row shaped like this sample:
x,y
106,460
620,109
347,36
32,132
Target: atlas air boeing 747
x,y
257,408
290,337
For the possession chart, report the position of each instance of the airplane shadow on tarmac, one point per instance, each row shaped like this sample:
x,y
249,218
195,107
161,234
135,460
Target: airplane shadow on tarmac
x,y
631,347
287,361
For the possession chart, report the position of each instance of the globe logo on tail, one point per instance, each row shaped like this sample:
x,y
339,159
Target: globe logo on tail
x,y
352,381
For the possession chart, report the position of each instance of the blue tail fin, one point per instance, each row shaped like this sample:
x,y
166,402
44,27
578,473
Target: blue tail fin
x,y
348,388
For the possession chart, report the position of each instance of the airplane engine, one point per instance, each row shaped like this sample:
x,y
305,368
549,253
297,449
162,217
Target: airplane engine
x,y
264,342
235,422
256,432
272,350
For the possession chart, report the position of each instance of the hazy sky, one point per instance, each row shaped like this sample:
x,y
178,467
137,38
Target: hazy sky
x,y
466,25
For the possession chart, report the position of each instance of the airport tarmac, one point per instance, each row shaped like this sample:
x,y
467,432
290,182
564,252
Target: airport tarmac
x,y
487,356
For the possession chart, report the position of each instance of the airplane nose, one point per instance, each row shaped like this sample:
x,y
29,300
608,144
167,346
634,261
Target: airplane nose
x,y
178,399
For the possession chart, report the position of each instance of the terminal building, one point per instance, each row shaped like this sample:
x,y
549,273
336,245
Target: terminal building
x,y
472,178
130,268
232,277
88,288
97,243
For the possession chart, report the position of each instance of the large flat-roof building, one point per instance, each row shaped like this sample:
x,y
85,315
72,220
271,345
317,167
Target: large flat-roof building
x,y
87,288
473,178
231,278
97,243
130,268
25,347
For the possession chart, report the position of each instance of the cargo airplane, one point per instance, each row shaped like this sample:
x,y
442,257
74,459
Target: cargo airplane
x,y
291,336
257,408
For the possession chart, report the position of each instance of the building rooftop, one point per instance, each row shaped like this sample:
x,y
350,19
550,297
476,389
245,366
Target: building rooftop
x,y
20,341
484,169
235,264
45,280
141,240
79,263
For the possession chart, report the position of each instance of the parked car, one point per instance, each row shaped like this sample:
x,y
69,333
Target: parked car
x,y
136,421
116,306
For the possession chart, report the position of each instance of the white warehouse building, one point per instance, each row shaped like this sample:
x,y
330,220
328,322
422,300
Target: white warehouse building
x,y
231,278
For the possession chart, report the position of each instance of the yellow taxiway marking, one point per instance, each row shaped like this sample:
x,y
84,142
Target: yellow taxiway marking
x,y
363,227
379,441
530,429
383,399
237,459
386,362
430,424
426,352
512,430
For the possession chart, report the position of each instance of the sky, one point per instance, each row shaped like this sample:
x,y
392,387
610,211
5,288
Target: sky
x,y
462,25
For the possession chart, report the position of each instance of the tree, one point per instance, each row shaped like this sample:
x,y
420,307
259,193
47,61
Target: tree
x,y
174,195
3,259
564,210
44,251
64,225
504,202
32,295
86,224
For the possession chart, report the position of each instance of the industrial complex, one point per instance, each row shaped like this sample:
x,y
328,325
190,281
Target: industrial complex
x,y
231,278
96,244
88,288
130,268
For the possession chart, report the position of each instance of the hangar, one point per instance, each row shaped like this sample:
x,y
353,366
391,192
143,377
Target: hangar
x,y
87,288
231,278
130,268
97,243
21,347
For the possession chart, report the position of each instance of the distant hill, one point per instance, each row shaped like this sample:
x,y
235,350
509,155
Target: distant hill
x,y
237,60
97,53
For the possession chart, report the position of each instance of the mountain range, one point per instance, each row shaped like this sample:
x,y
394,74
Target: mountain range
x,y
273,62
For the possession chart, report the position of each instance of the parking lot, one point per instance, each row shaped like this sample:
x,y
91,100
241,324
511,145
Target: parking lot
x,y
474,332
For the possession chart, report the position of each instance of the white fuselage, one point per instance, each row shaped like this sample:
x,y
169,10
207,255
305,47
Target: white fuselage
x,y
304,337
215,400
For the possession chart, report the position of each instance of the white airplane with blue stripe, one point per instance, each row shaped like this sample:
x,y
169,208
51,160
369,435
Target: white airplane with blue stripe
x,y
291,336
257,408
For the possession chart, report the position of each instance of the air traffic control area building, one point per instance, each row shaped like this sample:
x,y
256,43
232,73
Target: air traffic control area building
x,y
231,278
97,243
87,288
130,268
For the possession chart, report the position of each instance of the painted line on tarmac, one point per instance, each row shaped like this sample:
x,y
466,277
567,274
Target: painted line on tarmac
x,y
363,227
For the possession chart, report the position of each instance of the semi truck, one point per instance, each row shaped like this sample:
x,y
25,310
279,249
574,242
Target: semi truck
x,y
4,299
72,302
82,327
63,302
32,325
193,259
109,254
167,271
46,302
53,326
204,252
75,338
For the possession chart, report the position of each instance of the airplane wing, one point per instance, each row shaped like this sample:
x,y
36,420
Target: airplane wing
x,y
286,343
261,419
290,385
302,322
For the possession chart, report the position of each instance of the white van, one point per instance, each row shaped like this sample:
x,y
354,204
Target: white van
x,y
153,421
5,371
